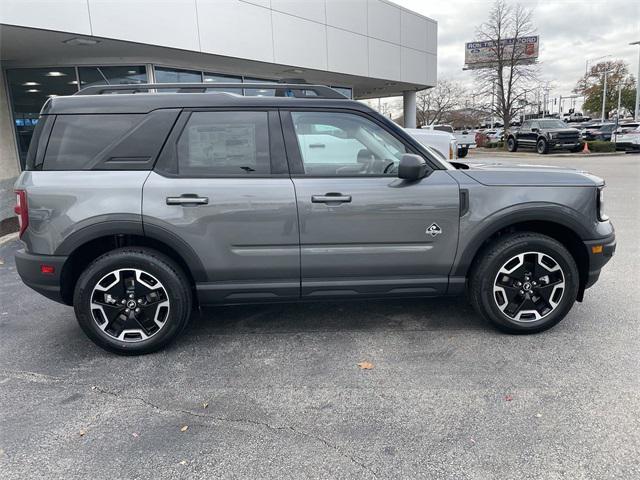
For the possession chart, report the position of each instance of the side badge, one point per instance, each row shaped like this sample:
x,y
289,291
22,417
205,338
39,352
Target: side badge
x,y
433,230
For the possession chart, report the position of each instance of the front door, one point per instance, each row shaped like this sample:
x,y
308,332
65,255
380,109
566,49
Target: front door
x,y
363,230
221,192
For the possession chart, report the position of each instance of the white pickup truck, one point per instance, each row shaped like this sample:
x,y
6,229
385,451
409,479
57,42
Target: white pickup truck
x,y
444,143
465,139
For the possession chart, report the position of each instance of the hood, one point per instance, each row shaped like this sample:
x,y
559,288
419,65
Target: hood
x,y
502,174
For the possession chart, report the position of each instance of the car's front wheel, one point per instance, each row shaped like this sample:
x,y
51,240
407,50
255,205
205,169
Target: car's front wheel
x,y
512,145
524,283
132,300
542,146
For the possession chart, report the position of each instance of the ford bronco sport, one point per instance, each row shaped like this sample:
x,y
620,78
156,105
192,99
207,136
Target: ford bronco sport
x,y
137,205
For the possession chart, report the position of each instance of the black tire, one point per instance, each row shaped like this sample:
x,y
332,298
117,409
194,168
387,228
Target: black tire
x,y
462,152
484,277
542,146
512,145
576,149
175,293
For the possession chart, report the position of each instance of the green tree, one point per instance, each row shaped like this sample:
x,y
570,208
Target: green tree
x,y
591,85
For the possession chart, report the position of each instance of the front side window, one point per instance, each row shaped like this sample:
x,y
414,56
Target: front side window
x,y
345,144
224,143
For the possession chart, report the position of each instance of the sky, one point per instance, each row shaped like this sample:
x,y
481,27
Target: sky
x,y
571,32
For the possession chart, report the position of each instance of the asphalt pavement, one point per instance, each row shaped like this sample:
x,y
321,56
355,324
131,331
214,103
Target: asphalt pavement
x,y
274,392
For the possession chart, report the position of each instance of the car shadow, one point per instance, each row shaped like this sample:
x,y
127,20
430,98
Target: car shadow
x,y
449,313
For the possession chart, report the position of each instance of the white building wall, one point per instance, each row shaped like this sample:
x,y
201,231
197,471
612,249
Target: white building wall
x,y
374,38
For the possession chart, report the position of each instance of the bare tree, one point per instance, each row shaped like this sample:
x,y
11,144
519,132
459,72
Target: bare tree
x,y
507,78
433,104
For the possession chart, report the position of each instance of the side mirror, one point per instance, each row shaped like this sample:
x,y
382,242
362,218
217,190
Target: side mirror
x,y
534,129
412,167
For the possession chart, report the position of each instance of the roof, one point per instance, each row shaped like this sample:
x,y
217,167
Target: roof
x,y
107,100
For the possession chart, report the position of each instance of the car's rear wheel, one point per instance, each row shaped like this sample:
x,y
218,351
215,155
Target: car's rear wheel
x,y
132,300
462,152
542,146
512,145
524,283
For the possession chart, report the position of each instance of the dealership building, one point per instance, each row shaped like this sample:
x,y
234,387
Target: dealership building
x,y
362,48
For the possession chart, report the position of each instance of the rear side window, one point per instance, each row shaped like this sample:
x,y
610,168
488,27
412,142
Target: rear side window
x,y
77,139
224,143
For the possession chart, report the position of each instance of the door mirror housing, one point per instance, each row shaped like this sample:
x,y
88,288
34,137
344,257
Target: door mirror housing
x,y
413,167
535,129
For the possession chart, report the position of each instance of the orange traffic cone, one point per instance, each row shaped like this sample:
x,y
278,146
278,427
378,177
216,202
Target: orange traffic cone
x,y
586,148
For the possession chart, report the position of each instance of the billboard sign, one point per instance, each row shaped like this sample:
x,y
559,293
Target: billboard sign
x,y
483,54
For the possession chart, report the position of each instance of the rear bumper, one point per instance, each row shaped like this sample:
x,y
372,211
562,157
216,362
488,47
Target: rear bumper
x,y
29,267
599,260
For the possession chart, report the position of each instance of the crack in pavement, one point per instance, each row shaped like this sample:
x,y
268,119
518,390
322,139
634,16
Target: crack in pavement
x,y
50,379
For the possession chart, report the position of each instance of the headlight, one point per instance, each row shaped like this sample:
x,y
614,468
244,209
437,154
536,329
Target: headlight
x,y
603,217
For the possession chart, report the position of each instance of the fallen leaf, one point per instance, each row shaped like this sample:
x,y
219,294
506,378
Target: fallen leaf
x,y
508,398
205,405
82,433
184,428
135,435
1,261
365,365
183,462
538,415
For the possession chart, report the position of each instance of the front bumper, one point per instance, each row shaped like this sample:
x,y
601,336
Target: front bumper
x,y
29,267
599,260
562,143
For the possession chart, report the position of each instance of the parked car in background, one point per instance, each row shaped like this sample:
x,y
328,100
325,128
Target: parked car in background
x,y
441,141
544,134
599,131
465,138
627,137
575,117
494,136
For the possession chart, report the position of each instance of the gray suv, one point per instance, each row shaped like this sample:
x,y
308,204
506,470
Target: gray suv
x,y
137,206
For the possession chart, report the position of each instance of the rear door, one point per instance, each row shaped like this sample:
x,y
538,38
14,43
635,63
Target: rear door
x,y
363,231
221,192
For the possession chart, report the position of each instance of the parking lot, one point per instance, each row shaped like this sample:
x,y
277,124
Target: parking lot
x,y
275,391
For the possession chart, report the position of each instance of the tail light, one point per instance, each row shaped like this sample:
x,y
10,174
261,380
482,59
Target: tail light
x,y
22,210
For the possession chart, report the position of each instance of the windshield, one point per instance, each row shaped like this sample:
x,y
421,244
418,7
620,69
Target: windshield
x,y
551,124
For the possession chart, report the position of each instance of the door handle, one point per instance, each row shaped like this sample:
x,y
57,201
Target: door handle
x,y
331,197
187,199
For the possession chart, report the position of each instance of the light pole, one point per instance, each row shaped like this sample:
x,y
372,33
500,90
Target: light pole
x,y
604,93
637,110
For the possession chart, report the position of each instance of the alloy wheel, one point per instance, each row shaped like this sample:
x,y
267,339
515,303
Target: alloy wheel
x,y
129,305
529,286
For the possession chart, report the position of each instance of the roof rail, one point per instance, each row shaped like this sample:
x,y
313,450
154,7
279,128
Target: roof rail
x,y
297,90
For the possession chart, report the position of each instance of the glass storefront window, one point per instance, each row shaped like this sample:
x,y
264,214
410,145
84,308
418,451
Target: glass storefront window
x,y
176,75
29,88
347,92
115,75
216,78
258,92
